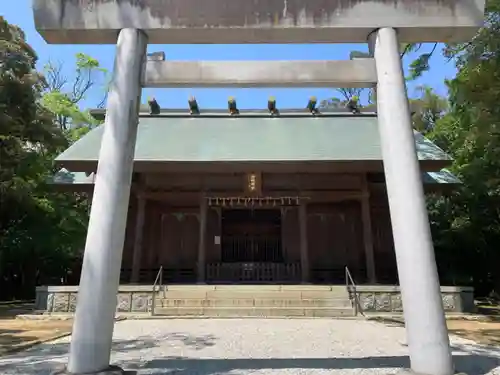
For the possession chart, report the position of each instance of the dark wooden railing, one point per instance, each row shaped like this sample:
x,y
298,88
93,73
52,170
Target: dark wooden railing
x,y
244,249
253,272
259,272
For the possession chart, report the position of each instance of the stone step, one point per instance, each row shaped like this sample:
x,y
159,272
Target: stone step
x,y
250,302
265,287
253,294
233,312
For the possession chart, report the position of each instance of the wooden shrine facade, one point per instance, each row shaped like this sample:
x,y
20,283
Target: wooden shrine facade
x,y
258,228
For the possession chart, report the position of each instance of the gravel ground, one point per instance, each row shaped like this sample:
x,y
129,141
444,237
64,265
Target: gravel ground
x,y
255,346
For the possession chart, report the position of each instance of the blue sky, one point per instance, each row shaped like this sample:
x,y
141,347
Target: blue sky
x,y
19,12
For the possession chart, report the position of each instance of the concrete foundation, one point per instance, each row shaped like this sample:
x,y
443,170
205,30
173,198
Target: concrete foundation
x,y
137,298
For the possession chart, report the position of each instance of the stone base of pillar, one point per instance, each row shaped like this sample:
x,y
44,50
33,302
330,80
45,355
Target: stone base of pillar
x,y
111,370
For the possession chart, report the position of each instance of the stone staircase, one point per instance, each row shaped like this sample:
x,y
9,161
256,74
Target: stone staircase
x,y
230,301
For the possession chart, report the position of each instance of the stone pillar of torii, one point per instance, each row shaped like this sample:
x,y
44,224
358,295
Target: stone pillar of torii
x,y
384,25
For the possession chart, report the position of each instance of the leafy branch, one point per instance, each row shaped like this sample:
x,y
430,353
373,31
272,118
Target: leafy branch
x,y
63,97
421,64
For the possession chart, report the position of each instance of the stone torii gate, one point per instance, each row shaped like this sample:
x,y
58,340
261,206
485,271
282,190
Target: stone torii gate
x,y
383,24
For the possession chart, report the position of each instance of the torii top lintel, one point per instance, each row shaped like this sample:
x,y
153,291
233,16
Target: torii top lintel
x,y
256,21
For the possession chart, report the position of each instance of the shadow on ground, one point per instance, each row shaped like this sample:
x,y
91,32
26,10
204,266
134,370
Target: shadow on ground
x,y
10,337
10,311
491,336
491,313
472,364
43,359
481,333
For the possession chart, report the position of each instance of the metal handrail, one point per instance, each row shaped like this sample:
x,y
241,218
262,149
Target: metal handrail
x,y
349,280
159,282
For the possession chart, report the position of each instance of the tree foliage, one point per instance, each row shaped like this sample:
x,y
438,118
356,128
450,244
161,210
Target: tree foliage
x,y
63,96
417,68
422,63
39,228
346,94
428,108
466,223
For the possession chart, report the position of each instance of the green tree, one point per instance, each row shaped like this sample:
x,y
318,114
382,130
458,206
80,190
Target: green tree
x,y
428,108
344,96
466,224
417,68
421,63
63,96
39,228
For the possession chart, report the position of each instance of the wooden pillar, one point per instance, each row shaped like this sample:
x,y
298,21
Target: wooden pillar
x,y
304,252
367,232
284,246
218,253
202,241
138,237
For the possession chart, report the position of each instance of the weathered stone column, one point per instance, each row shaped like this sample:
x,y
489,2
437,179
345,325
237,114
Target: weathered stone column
x,y
201,245
426,330
304,251
97,296
138,236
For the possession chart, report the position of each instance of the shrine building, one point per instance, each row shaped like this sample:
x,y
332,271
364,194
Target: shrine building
x,y
256,197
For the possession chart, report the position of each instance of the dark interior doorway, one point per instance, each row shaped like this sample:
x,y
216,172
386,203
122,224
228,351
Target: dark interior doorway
x,y
251,236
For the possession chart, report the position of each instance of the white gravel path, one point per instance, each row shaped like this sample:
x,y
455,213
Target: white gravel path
x,y
255,346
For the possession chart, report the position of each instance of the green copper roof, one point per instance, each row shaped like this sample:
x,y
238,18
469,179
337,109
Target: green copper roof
x,y
65,177
444,176
224,139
